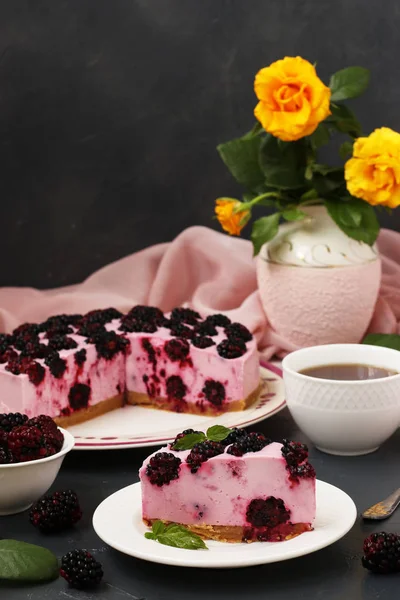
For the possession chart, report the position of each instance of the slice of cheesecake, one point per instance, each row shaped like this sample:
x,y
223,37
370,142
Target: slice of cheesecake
x,y
242,488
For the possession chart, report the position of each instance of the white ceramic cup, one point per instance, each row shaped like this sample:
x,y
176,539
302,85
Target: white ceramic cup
x,y
21,484
347,418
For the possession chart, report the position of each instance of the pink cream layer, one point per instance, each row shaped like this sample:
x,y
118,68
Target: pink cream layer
x,y
106,378
221,490
148,368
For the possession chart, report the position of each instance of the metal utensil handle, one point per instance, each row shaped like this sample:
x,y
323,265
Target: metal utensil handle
x,y
385,508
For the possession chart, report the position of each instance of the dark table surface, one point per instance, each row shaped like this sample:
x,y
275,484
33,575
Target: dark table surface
x,y
333,573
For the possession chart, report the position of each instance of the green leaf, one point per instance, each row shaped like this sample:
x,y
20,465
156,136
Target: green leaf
x,y
293,214
283,163
264,230
158,527
20,561
344,120
345,150
388,340
320,137
241,156
180,539
326,181
150,536
310,195
188,441
216,433
348,83
355,218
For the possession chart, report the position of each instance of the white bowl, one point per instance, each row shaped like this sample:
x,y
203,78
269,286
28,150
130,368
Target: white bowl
x,y
344,417
21,484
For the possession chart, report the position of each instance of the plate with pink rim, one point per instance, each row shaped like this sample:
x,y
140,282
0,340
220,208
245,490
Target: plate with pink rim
x,y
138,426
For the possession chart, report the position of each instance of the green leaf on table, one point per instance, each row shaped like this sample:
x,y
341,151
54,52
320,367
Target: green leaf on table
x,y
264,230
241,156
388,340
356,218
20,561
348,83
188,441
217,433
177,536
320,137
283,163
293,214
344,120
346,150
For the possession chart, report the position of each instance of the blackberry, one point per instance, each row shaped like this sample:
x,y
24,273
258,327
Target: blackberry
x,y
205,328
219,320
293,452
176,389
131,325
5,342
60,330
35,349
8,355
79,395
179,330
304,471
267,513
231,348
10,420
89,330
56,512
35,372
177,349
27,443
214,392
235,436
382,553
60,323
162,468
149,314
80,357
202,341
53,436
62,342
56,364
185,315
237,331
252,442
201,452
81,570
109,344
26,331
6,457
101,316
182,435
3,438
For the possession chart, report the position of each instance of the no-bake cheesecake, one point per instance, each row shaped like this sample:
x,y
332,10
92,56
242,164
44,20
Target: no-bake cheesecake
x,y
74,367
241,488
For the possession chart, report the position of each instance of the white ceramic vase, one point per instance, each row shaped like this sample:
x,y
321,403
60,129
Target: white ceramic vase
x,y
317,285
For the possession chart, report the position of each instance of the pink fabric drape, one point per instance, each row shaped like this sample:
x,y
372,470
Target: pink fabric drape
x,y
207,270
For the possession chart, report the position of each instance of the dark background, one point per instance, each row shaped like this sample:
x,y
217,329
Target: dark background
x,y
110,111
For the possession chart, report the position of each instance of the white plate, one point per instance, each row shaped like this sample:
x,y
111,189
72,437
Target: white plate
x,y
137,426
118,522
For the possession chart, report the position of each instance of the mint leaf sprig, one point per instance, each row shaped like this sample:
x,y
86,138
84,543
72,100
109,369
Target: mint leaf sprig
x,y
175,535
216,433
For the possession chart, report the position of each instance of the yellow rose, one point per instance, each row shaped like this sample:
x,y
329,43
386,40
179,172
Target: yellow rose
x,y
230,221
373,173
292,98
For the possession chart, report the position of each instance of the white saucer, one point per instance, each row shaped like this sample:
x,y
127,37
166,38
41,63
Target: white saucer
x,y
117,521
138,426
